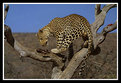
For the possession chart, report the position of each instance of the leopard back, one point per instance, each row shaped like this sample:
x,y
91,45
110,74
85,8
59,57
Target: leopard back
x,y
69,28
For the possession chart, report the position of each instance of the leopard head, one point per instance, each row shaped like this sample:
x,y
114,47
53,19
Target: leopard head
x,y
43,36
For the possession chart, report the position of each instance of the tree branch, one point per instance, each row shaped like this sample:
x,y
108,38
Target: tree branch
x,y
6,11
101,37
108,7
109,28
99,21
73,64
29,52
97,10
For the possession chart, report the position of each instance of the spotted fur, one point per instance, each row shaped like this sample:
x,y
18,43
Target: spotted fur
x,y
66,30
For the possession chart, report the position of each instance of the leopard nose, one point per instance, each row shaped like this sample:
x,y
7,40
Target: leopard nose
x,y
44,44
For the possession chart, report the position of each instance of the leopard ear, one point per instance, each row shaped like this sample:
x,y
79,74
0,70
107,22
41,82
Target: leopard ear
x,y
40,31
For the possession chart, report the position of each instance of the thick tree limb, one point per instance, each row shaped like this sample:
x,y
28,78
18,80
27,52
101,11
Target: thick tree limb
x,y
73,64
29,52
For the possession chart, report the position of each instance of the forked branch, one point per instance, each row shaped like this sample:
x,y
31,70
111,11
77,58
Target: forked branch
x,y
101,37
100,15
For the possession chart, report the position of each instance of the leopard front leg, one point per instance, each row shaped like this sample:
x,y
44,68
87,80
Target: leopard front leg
x,y
59,41
62,44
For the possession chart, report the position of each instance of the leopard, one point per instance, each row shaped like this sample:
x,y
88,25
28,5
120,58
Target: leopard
x,y
66,30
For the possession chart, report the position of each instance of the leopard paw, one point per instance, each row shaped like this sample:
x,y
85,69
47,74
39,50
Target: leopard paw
x,y
55,50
